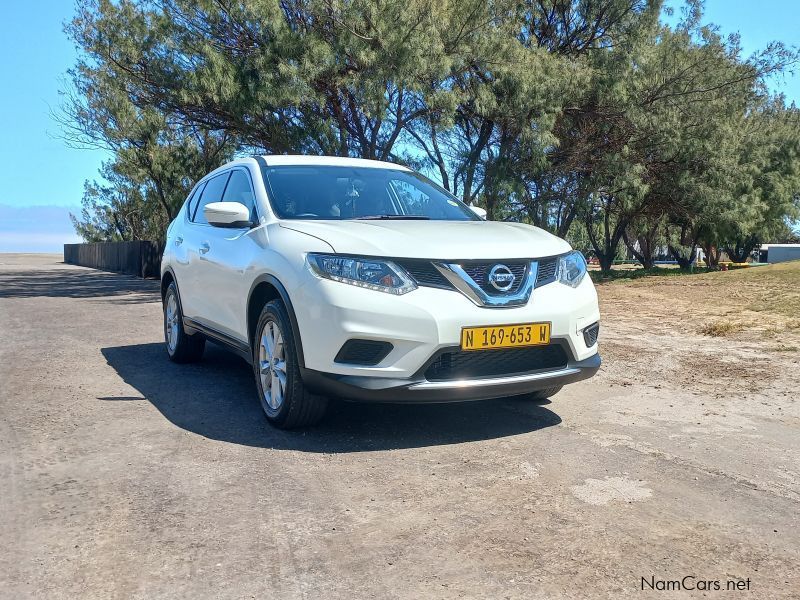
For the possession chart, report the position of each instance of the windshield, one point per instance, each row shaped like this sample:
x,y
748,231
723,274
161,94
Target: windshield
x,y
338,193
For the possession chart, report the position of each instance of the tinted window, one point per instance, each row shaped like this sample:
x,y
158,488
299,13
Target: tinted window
x,y
328,192
240,190
193,199
211,193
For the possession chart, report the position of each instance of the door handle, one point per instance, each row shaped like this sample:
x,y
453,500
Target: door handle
x,y
178,241
204,247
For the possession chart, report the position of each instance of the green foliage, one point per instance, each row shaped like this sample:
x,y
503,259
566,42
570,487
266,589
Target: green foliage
x,y
593,120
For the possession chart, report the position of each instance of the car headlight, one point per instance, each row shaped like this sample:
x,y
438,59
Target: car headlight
x,y
369,273
571,268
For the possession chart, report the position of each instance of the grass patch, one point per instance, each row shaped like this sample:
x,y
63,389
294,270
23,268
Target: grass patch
x,y
775,290
786,304
721,328
627,274
784,349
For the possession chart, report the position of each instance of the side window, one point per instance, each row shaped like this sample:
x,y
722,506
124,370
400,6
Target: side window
x,y
240,190
212,193
192,203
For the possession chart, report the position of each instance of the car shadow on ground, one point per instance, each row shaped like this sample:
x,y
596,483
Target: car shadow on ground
x,y
216,399
77,283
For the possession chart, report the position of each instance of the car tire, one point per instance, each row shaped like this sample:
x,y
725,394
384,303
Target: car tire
x,y
284,398
181,347
542,394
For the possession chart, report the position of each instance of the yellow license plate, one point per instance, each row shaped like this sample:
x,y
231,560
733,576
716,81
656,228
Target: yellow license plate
x,y
505,336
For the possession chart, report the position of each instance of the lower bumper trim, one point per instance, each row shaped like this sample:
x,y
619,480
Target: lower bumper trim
x,y
383,389
474,383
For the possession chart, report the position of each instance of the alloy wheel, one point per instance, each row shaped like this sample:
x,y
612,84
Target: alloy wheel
x,y
171,323
272,365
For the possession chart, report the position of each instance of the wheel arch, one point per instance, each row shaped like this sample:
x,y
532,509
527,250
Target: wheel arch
x,y
264,289
167,278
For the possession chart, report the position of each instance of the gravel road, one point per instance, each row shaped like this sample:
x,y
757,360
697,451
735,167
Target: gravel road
x,y
126,476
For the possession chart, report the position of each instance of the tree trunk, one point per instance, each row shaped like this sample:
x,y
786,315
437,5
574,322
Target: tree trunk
x,y
566,222
688,239
490,204
474,158
684,262
606,249
606,261
646,247
741,249
712,255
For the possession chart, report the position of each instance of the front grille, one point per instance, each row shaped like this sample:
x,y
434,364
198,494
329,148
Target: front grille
x,y
459,364
424,273
363,352
479,272
590,334
547,270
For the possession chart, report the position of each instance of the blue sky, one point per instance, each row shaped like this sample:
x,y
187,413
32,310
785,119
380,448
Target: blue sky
x,y
38,169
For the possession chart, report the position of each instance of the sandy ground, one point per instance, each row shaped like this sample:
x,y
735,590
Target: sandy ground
x,y
125,476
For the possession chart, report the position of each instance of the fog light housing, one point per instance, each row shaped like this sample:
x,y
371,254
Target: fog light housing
x,y
363,352
590,334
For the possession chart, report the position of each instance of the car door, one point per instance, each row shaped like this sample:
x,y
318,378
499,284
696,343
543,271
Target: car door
x,y
180,233
193,278
225,255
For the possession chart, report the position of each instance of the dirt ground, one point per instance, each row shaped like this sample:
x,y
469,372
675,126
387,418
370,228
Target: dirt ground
x,y
126,476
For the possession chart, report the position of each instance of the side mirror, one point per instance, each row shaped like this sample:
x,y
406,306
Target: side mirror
x,y
481,212
227,214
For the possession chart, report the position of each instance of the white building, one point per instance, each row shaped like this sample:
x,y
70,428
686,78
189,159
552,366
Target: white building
x,y
781,252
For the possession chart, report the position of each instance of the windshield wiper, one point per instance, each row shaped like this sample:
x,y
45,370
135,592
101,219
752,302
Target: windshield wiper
x,y
394,218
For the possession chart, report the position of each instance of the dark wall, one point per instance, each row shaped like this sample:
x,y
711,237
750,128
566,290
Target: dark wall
x,y
140,258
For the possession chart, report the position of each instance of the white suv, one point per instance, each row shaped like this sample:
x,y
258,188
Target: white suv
x,y
364,280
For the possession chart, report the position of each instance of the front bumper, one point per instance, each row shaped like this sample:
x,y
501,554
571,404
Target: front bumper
x,y
387,389
422,322
420,325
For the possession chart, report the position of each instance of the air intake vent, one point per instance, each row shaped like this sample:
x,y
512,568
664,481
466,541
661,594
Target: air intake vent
x,y
590,334
363,352
460,364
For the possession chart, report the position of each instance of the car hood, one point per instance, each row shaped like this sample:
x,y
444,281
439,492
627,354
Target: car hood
x,y
443,240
